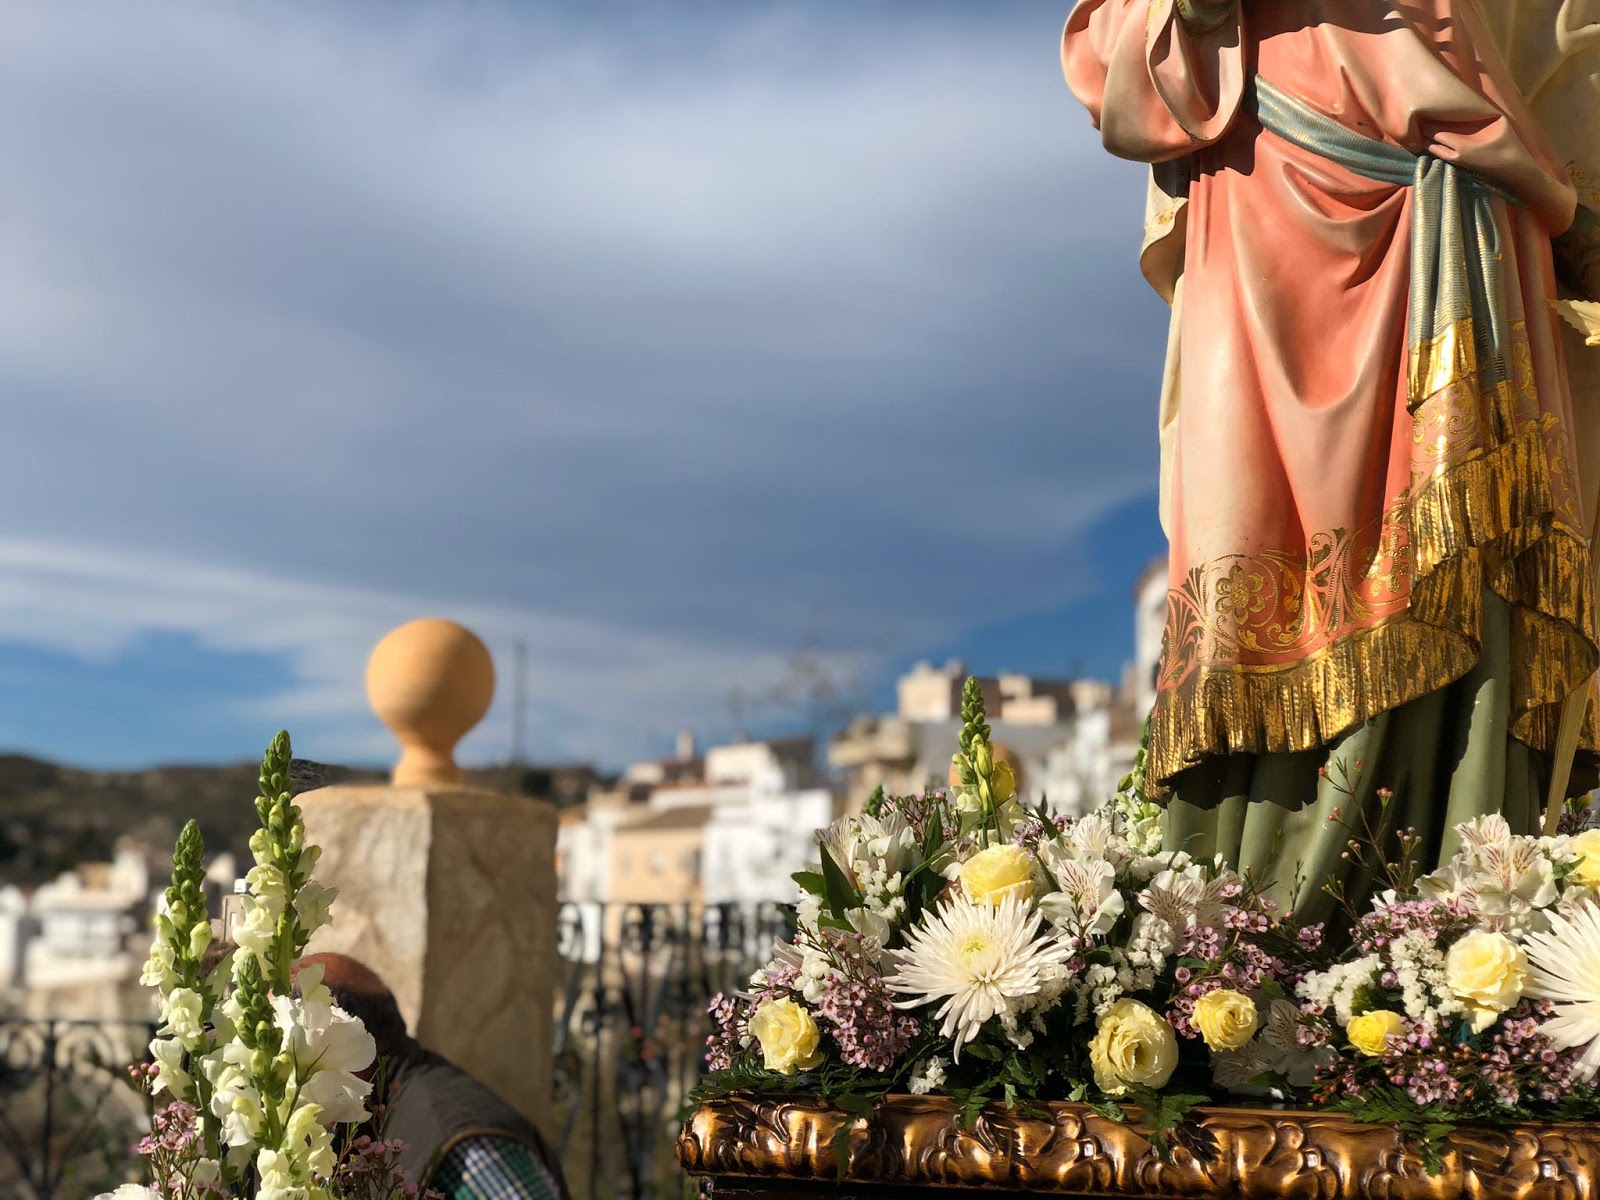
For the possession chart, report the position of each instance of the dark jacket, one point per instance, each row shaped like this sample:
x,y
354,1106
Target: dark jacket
x,y
433,1105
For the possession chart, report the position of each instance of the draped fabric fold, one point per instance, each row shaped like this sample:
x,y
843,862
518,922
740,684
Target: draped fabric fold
x,y
1373,431
1379,566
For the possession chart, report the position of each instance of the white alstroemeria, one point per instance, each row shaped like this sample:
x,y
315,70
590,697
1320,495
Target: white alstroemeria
x,y
130,1191
1094,835
1506,879
167,1054
981,960
1280,1048
1086,902
183,1008
869,924
1564,968
1236,1071
1518,880
1185,898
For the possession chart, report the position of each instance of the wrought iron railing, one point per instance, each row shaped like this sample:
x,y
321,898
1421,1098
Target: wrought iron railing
x,y
630,1024
68,1113
630,1031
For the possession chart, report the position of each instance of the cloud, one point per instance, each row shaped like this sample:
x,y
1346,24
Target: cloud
x,y
591,688
640,339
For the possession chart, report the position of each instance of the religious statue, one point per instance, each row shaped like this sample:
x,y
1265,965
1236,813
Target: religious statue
x,y
1379,472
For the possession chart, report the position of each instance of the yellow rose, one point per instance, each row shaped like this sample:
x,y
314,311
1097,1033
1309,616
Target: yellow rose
x,y
996,872
1586,846
1132,1044
788,1036
1371,1031
1226,1019
1487,971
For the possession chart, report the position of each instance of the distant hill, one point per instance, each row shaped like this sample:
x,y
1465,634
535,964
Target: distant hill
x,y
54,817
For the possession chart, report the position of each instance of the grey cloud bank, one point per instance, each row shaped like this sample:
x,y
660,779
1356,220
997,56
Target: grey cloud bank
x,y
640,340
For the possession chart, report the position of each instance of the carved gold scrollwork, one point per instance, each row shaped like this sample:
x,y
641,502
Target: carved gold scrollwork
x,y
1252,1154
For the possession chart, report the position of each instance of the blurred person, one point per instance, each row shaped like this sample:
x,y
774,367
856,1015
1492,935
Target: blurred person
x,y
459,1136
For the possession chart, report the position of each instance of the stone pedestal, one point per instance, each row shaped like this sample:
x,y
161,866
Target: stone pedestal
x,y
449,895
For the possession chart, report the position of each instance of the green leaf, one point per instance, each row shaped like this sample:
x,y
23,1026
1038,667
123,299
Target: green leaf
x,y
841,1148
836,887
809,881
1109,1109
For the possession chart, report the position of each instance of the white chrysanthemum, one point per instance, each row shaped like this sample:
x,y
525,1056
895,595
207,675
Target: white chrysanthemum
x,y
1564,967
982,960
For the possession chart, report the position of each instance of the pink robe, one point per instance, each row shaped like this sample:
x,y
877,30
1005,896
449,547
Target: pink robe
x,y
1334,521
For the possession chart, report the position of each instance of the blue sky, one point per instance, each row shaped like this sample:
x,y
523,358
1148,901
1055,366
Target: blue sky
x,y
663,336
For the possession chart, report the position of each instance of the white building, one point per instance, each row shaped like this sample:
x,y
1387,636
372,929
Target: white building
x,y
726,828
1071,741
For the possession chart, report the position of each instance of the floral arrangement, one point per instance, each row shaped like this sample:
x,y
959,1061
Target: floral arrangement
x,y
259,1073
958,943
1472,993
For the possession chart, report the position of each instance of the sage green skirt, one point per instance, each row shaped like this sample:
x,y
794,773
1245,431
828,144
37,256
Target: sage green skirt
x,y
1286,820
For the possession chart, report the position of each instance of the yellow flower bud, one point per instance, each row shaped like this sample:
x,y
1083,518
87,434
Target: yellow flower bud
x,y
1004,782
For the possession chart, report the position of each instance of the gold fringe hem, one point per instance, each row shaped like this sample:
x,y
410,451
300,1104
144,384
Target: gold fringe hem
x,y
1485,523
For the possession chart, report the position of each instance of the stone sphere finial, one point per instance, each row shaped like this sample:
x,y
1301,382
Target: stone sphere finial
x,y
430,682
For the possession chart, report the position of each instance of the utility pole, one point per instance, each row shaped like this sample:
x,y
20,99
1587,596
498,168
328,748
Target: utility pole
x,y
519,702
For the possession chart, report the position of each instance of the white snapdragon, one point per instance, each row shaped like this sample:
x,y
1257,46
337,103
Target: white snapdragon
x,y
313,905
167,1054
235,1101
159,969
254,934
328,1048
184,1010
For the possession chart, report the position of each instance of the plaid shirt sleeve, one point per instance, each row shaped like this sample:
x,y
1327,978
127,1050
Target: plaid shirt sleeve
x,y
493,1168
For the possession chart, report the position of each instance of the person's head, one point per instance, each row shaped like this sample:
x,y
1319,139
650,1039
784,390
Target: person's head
x,y
357,989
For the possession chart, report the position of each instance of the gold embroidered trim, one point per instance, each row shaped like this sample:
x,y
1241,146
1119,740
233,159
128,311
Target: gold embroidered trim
x,y
1275,652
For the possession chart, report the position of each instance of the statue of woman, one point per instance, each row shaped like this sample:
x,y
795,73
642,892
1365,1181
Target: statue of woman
x,y
1381,591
